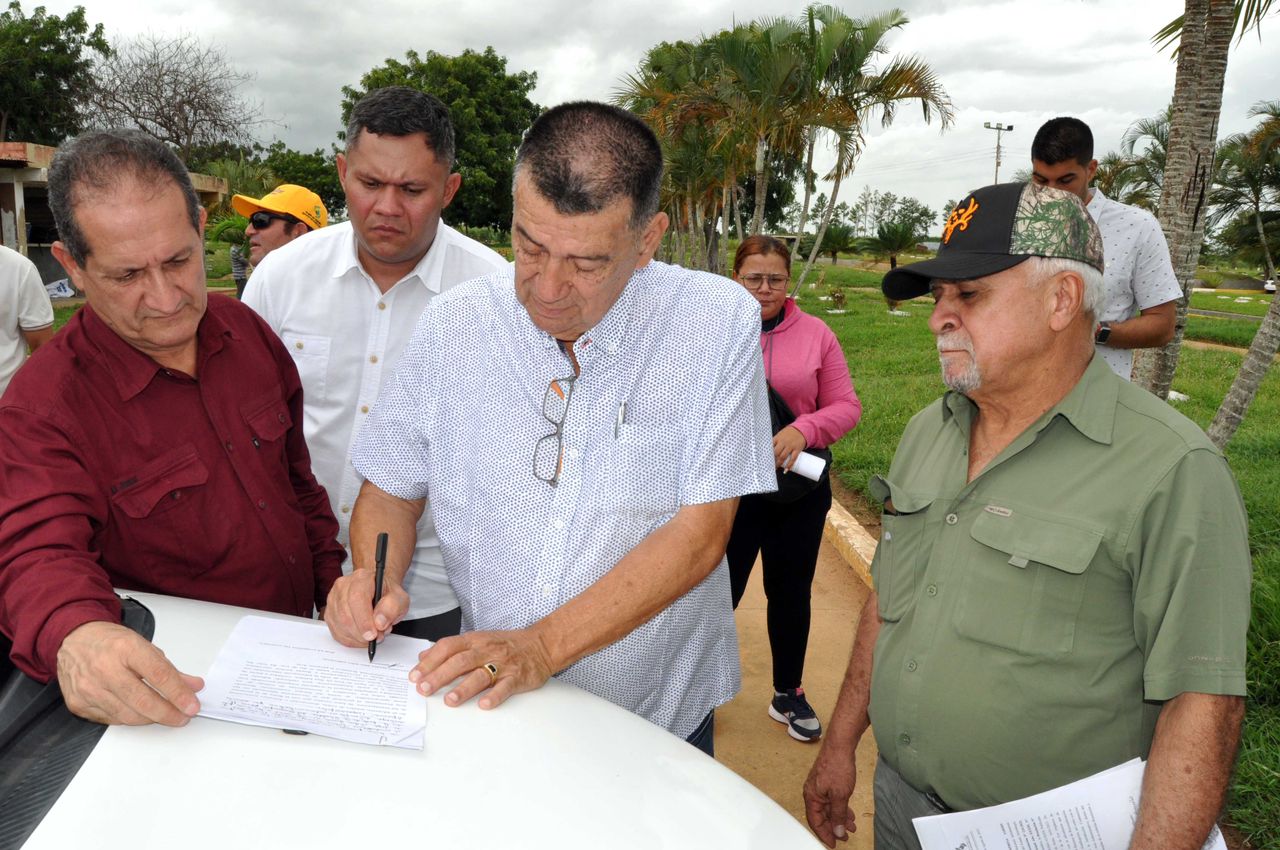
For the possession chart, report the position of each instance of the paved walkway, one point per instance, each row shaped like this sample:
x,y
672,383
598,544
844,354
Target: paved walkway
x,y
758,748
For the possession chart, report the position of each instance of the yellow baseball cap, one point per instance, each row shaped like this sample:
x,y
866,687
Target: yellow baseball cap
x,y
297,201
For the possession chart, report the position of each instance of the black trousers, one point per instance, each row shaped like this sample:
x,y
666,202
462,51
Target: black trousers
x,y
786,537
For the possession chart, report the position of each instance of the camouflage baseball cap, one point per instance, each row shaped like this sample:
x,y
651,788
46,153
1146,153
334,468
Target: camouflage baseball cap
x,y
997,227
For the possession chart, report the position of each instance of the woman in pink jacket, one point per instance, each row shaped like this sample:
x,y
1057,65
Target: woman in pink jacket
x,y
805,366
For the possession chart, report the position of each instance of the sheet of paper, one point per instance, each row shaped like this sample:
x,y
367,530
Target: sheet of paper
x,y
1094,813
287,674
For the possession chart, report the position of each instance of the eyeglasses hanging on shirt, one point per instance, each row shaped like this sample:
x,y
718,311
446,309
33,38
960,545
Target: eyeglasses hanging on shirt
x,y
548,452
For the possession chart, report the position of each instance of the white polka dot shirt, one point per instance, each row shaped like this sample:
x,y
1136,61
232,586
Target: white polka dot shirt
x,y
459,422
1139,272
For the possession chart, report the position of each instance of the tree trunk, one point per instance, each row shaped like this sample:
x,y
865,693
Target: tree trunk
x,y
1197,103
1245,386
762,185
1266,249
724,217
737,210
826,219
804,208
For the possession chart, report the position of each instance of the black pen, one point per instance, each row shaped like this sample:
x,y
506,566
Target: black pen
x,y
380,567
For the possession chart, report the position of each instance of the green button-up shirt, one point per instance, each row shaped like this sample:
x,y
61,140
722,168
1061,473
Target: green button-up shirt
x,y
1036,617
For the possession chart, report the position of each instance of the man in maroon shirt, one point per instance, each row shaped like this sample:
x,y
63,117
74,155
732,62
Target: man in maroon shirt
x,y
155,444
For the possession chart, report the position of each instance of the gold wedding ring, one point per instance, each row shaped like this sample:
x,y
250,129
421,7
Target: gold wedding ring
x,y
492,670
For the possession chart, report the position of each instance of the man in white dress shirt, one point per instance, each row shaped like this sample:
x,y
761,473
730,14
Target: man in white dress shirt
x,y
345,300
25,311
1140,288
582,427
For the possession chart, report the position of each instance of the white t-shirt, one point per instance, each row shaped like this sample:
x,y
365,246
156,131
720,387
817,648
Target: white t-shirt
x,y
24,306
346,338
1139,272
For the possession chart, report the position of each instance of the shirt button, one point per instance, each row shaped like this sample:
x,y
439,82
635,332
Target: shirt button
x,y
548,591
292,559
262,505
382,305
346,509
298,345
571,453
228,445
911,666
364,408
932,590
280,417
177,495
905,740
952,519
373,359
888,535
559,523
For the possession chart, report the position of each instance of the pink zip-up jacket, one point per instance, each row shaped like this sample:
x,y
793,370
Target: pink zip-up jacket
x,y
804,363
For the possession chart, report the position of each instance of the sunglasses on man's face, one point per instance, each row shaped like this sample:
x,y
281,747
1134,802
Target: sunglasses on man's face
x,y
262,220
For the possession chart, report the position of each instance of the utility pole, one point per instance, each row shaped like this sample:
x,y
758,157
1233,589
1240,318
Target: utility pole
x,y
999,128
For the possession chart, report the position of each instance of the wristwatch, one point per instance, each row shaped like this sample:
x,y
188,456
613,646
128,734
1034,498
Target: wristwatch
x,y
1103,333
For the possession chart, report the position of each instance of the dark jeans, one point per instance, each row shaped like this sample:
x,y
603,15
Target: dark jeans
x,y
787,537
704,737
431,628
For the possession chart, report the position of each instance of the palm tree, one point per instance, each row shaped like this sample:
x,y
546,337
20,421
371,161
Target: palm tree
x,y
1117,178
892,238
1204,34
1248,181
1145,147
853,91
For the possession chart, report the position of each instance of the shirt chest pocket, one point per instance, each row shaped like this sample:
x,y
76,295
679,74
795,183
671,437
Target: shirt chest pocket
x,y
165,504
311,356
639,473
1024,584
904,548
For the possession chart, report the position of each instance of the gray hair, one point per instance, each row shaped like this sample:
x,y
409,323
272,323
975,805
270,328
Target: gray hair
x,y
1043,268
402,111
96,162
582,156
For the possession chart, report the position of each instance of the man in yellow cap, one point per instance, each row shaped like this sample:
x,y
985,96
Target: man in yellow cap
x,y
279,217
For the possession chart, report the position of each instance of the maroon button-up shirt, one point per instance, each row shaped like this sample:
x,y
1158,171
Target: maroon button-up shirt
x,y
115,471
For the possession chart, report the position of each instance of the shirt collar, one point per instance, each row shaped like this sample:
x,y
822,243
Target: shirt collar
x,y
427,270
606,335
132,370
1090,406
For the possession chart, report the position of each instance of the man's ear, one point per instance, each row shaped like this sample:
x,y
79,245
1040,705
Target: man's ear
x,y
1067,292
451,186
341,162
72,268
651,238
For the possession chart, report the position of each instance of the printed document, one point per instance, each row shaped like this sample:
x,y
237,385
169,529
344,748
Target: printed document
x,y
1094,813
287,674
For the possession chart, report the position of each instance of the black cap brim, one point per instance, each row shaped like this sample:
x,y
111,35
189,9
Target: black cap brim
x,y
914,280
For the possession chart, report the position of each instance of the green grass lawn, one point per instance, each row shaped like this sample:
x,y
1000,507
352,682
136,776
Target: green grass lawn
x,y
895,371
1235,332
1225,302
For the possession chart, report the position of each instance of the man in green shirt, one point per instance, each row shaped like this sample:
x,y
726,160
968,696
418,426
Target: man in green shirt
x,y
1062,582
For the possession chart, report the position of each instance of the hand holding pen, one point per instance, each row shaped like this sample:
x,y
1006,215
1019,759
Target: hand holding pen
x,y
380,569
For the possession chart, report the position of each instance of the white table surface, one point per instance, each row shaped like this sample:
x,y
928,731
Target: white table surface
x,y
554,768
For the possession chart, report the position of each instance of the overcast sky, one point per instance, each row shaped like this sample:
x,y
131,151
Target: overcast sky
x,y
1018,63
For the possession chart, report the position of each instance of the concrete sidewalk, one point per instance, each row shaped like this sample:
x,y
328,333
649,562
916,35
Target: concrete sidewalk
x,y
755,746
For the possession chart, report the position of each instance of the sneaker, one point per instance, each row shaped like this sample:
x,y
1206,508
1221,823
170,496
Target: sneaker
x,y
790,707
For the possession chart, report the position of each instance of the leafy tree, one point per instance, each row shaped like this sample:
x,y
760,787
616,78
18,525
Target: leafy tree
x,y
315,170
45,69
1203,32
179,90
914,216
490,110
838,238
892,238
